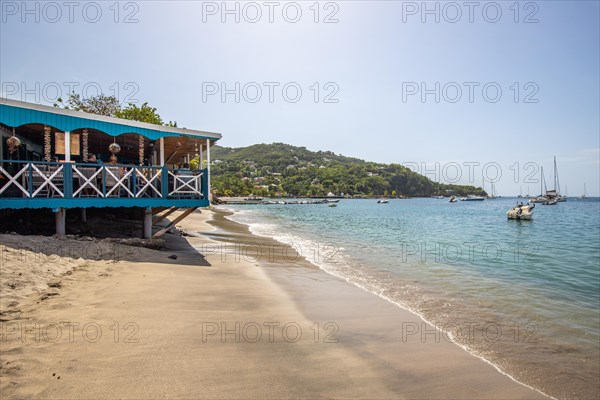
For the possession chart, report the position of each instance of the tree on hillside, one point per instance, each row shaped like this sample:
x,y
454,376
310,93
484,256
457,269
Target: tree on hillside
x,y
297,171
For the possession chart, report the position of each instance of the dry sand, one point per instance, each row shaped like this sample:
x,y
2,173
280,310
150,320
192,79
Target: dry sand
x,y
103,320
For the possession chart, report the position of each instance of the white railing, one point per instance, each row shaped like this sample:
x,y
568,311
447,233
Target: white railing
x,y
186,183
148,180
37,179
41,180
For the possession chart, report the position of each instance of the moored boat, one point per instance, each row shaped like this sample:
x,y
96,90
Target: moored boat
x,y
473,197
521,211
538,199
541,198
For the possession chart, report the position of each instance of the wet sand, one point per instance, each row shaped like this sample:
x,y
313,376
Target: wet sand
x,y
235,323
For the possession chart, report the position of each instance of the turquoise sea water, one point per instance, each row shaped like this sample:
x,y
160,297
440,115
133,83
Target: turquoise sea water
x,y
524,295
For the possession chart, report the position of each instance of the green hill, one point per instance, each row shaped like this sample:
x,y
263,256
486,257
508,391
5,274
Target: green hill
x,y
282,170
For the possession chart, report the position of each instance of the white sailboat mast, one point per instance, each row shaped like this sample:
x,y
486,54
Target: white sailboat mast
x,y
556,182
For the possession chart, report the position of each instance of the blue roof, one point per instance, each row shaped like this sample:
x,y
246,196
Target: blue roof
x,y
16,113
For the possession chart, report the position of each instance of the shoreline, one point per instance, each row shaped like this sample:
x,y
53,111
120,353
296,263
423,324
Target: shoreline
x,y
281,280
183,307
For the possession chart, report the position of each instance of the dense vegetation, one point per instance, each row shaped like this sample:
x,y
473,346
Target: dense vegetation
x,y
282,170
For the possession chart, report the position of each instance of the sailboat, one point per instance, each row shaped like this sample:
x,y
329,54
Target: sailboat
x,y
492,194
584,195
557,195
438,195
541,198
520,196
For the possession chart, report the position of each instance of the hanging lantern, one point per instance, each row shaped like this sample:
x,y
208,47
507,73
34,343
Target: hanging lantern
x,y
141,150
13,143
85,143
47,144
114,148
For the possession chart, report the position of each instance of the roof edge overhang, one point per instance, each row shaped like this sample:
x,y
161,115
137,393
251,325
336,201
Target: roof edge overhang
x,y
16,113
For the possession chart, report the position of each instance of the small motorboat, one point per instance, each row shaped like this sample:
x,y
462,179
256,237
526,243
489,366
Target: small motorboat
x,y
551,202
521,211
472,197
453,199
539,199
383,201
331,205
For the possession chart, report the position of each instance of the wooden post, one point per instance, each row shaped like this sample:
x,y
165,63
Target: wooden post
x,y
201,156
67,146
60,215
208,170
84,215
147,234
161,142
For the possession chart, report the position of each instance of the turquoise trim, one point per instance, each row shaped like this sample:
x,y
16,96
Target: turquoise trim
x,y
53,203
17,116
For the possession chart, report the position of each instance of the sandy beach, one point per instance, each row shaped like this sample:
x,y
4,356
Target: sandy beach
x,y
212,316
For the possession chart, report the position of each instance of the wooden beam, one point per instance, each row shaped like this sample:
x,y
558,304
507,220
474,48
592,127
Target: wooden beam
x,y
174,222
158,210
165,215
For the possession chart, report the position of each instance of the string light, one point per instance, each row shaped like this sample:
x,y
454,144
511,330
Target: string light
x,y
84,139
141,151
47,143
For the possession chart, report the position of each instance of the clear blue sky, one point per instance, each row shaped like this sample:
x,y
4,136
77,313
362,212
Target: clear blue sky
x,y
372,57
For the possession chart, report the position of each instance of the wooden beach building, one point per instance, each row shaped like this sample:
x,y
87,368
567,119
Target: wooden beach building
x,y
62,159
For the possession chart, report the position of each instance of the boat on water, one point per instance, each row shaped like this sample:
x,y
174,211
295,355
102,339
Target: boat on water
x,y
541,198
383,201
253,198
584,195
473,197
332,205
551,202
332,200
521,211
492,194
562,198
453,199
538,199
554,194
